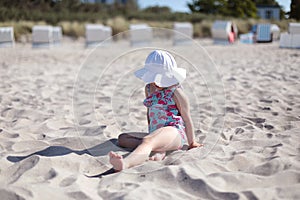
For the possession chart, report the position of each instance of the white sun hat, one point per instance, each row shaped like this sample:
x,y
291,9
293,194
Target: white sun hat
x,y
161,68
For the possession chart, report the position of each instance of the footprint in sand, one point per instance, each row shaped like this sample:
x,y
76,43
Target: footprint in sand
x,y
238,124
84,122
256,120
268,168
266,101
10,195
8,135
268,126
58,124
206,192
275,113
18,169
239,131
78,195
94,131
51,174
67,181
265,108
249,127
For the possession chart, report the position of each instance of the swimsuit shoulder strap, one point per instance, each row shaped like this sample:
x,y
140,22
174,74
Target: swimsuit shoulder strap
x,y
175,87
172,90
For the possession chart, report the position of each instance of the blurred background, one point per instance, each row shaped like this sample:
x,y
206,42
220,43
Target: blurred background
x,y
73,15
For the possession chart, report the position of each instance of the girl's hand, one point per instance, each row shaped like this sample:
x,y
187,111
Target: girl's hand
x,y
195,145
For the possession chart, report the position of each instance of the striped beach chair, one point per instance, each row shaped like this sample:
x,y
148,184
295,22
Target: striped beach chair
x,y
263,33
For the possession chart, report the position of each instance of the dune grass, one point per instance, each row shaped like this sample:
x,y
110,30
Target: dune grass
x,y
76,29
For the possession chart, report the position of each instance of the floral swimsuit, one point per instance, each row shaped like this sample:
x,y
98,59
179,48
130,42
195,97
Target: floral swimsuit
x,y
163,111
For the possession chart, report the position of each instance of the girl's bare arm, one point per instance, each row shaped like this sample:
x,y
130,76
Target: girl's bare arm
x,y
183,106
146,94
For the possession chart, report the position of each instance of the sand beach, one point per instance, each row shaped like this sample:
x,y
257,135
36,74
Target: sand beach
x,y
62,109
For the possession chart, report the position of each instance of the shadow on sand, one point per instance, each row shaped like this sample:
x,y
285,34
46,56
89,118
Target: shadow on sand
x,y
98,150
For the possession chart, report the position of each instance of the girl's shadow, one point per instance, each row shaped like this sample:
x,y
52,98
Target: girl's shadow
x,y
98,150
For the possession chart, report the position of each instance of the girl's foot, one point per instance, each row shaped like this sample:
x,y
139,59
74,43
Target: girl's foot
x,y
116,161
158,156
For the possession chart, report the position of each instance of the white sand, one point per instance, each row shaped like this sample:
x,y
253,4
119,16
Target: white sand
x,y
43,155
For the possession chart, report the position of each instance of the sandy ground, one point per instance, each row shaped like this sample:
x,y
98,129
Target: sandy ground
x,y
61,110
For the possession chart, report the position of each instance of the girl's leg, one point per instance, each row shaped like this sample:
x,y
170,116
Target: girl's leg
x,y
163,139
129,140
158,156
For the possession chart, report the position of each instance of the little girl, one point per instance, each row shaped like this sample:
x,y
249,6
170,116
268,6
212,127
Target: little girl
x,y
168,113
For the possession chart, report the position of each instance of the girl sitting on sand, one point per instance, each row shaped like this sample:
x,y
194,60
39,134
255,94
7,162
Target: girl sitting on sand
x,y
169,120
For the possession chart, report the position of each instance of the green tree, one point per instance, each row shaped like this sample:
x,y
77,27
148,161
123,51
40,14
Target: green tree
x,y
243,9
53,11
158,9
266,2
207,6
295,9
236,8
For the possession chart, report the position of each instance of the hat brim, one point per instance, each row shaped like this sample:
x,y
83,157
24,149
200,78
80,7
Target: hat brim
x,y
161,79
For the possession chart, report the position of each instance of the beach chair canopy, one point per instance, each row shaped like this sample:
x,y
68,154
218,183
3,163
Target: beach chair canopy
x,y
107,31
42,34
6,34
7,38
296,41
292,38
288,40
275,30
96,32
140,34
57,34
294,28
263,33
183,30
223,29
285,40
